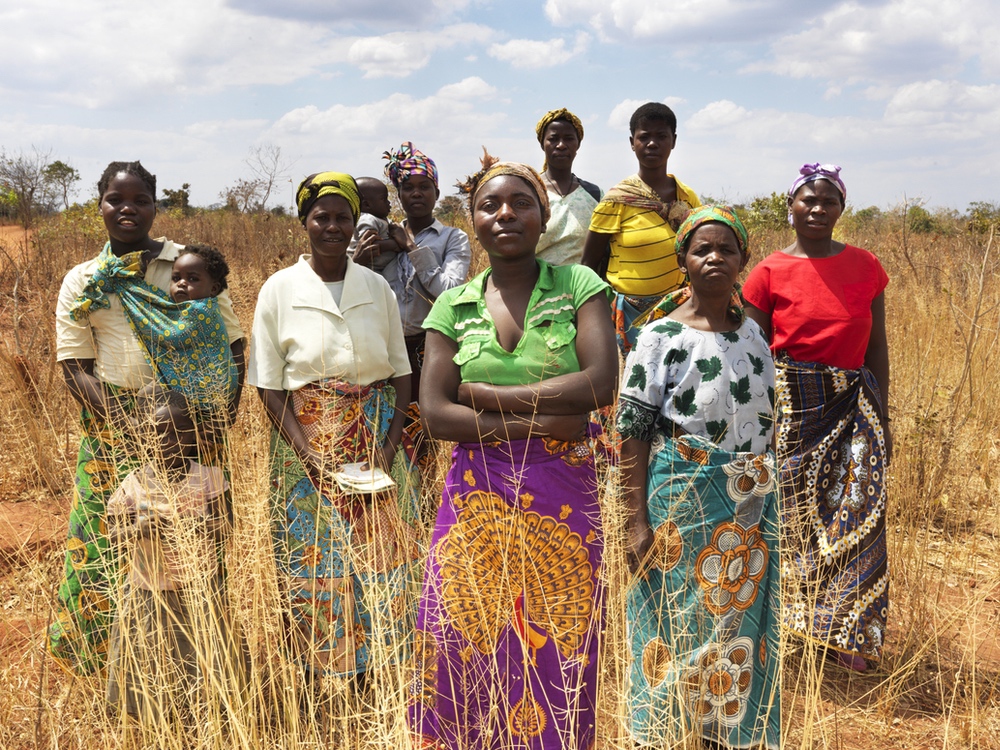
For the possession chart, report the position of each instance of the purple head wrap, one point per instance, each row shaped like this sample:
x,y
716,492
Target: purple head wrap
x,y
817,171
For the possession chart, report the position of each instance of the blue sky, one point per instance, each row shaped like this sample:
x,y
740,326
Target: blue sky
x,y
903,94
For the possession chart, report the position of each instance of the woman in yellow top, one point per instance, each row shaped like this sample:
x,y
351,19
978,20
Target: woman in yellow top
x,y
632,230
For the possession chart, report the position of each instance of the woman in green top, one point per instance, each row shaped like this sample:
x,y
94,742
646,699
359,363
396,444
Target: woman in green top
x,y
507,635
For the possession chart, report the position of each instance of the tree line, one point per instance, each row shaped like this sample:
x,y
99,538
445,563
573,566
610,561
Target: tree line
x,y
33,185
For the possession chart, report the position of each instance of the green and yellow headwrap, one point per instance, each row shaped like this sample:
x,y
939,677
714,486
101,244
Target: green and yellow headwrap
x,y
705,215
558,114
315,186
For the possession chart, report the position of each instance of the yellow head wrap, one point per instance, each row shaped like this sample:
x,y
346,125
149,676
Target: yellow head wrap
x,y
315,186
558,114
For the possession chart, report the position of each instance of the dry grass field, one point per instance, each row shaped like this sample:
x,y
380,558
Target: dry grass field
x,y
937,688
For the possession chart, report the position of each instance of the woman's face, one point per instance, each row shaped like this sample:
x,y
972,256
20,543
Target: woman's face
x,y
128,209
560,144
330,225
815,209
507,217
417,196
713,261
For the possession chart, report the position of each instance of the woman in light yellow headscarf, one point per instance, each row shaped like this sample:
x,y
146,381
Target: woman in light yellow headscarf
x,y
571,199
329,363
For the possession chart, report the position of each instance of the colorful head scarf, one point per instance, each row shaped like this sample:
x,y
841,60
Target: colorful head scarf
x,y
817,171
705,215
406,162
493,167
558,114
315,186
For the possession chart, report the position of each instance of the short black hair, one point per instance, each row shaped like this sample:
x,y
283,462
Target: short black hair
x,y
370,183
215,263
653,112
128,167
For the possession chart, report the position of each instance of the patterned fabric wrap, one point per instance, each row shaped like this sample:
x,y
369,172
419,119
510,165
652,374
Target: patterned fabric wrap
x,y
634,192
831,452
510,617
78,638
408,161
185,343
629,313
708,214
703,623
346,561
315,186
558,114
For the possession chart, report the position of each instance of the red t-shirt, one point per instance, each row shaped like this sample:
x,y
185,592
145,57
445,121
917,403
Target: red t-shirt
x,y
820,307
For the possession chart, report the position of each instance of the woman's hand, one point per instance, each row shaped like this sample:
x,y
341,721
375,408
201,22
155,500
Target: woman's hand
x,y
320,469
566,427
384,457
367,248
887,431
638,541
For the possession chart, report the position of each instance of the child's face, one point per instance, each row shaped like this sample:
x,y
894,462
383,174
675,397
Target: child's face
x,y
375,201
128,209
417,195
175,437
189,279
652,143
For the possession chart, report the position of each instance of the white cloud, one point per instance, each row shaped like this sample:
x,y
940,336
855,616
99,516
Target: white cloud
x,y
209,129
891,41
951,109
92,54
682,22
385,13
529,54
450,125
401,53
929,135
717,115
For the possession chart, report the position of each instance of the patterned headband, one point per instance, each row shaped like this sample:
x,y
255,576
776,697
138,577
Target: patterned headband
x,y
408,161
493,167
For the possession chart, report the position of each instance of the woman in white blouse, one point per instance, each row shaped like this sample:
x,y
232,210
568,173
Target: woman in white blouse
x,y
329,363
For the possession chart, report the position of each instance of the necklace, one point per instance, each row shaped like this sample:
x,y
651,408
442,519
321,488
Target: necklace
x,y
555,187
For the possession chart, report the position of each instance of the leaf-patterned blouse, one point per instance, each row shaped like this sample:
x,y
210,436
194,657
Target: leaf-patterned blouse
x,y
716,385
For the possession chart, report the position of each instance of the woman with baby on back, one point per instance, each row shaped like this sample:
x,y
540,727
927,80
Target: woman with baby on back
x,y
122,323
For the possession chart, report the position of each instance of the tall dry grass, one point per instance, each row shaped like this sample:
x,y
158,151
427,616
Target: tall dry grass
x,y
937,687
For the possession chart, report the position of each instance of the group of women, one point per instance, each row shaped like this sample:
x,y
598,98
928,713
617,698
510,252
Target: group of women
x,y
518,362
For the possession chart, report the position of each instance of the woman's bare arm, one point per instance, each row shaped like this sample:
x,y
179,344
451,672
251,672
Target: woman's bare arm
x,y
596,249
594,386
877,360
281,413
761,318
638,533
445,418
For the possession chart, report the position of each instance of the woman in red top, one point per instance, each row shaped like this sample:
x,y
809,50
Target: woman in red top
x,y
822,304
